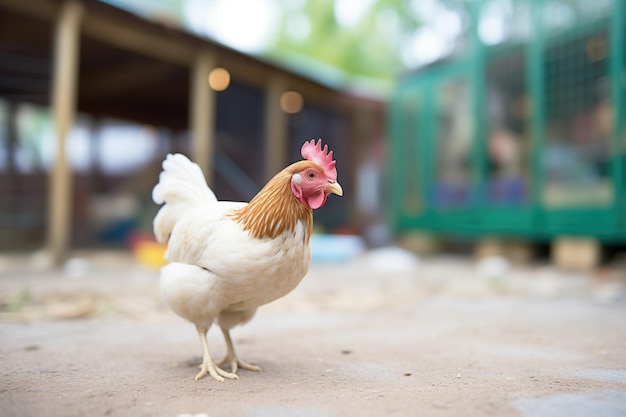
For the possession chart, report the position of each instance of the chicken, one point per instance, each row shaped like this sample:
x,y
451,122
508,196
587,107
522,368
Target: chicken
x,y
225,259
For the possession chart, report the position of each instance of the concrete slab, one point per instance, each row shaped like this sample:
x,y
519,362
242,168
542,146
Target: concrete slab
x,y
437,339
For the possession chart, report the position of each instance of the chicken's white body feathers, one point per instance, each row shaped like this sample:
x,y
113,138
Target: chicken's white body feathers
x,y
215,265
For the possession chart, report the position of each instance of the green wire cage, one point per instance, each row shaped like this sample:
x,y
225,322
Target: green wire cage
x,y
524,137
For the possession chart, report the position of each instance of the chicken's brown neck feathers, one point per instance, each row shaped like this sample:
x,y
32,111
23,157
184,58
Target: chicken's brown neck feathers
x,y
275,209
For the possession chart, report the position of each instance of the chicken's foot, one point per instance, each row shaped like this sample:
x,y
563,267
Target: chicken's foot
x,y
231,356
208,366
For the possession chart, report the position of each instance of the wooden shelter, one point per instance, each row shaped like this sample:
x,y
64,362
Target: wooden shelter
x,y
89,57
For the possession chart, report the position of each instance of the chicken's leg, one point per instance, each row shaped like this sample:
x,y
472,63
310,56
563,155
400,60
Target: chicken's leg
x,y
208,366
231,357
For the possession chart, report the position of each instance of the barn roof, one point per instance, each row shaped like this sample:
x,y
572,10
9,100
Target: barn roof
x,y
130,67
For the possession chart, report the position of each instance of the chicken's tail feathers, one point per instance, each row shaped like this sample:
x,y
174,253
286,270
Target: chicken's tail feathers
x,y
181,181
181,186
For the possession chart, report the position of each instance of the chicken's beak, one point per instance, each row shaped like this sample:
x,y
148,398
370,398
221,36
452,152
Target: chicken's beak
x,y
335,188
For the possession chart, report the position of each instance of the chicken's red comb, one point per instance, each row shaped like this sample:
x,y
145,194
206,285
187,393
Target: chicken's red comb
x,y
314,153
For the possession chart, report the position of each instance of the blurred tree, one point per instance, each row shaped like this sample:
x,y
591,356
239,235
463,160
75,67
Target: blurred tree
x,y
359,38
348,41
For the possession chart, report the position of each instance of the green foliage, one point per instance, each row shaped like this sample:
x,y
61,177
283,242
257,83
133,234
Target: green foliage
x,y
370,47
308,35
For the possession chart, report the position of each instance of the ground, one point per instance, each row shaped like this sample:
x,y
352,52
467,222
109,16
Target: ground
x,y
382,335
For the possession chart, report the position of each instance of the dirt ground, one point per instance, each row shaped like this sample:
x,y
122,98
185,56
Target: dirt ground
x,y
383,335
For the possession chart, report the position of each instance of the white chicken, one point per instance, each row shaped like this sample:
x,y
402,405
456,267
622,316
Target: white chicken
x,y
225,258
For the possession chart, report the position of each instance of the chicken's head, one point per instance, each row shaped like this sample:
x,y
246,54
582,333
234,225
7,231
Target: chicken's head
x,y
313,181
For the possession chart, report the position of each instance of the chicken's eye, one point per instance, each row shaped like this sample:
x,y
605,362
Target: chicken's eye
x,y
311,174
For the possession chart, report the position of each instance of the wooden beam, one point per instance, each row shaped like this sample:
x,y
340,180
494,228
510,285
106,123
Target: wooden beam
x,y
63,104
202,113
276,144
142,42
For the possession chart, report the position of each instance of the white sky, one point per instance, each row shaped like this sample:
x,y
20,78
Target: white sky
x,y
241,24
350,12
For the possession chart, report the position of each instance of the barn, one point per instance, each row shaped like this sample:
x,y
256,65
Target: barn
x,y
92,97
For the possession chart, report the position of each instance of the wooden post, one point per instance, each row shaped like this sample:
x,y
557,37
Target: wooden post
x,y
63,103
202,114
11,178
276,144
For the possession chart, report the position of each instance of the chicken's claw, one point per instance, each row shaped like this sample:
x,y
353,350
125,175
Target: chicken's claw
x,y
231,356
209,367
235,364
